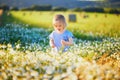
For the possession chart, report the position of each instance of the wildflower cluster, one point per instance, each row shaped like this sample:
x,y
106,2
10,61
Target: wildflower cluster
x,y
25,55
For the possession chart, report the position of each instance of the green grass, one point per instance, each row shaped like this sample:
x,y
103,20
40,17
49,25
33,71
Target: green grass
x,y
100,25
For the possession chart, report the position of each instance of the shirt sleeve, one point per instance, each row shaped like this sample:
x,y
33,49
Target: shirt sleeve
x,y
70,35
51,36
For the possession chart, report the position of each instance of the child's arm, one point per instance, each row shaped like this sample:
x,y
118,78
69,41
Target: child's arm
x,y
52,43
67,43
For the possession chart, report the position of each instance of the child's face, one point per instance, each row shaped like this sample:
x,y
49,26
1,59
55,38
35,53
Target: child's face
x,y
59,26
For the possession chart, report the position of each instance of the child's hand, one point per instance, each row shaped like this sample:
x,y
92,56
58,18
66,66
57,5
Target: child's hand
x,y
53,46
67,43
63,42
52,43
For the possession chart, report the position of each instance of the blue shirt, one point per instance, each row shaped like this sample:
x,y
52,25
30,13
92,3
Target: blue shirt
x,y
58,37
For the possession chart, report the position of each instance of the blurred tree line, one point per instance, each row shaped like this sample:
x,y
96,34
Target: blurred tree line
x,y
50,8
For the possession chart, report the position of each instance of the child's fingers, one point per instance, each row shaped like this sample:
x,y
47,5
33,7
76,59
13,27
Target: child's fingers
x,y
62,42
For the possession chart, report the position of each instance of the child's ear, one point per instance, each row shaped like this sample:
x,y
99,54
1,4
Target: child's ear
x,y
65,25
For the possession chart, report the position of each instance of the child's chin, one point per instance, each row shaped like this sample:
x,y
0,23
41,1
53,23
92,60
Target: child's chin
x,y
59,32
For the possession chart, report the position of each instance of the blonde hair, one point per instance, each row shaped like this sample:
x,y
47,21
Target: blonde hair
x,y
60,17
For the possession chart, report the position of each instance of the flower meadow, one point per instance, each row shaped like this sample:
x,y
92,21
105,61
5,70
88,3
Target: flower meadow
x,y
25,54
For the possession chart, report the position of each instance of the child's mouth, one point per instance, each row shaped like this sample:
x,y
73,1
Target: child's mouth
x,y
59,30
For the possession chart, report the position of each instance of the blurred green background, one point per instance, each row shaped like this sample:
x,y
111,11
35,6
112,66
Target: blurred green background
x,y
100,17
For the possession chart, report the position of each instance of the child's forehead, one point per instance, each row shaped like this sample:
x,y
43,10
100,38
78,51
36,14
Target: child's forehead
x,y
57,19
58,22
